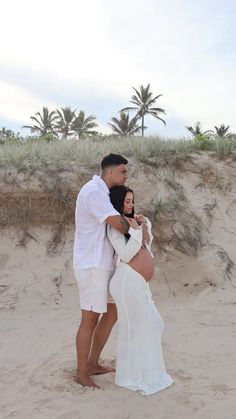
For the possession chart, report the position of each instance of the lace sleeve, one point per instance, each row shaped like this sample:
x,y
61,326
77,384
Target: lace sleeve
x,y
149,228
125,250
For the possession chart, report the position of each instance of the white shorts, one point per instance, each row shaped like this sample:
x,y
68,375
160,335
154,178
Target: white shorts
x,y
94,289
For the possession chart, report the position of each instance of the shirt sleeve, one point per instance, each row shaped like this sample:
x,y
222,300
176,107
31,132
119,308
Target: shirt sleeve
x,y
99,205
125,250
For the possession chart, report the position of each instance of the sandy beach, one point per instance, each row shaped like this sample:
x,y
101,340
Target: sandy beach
x,y
194,290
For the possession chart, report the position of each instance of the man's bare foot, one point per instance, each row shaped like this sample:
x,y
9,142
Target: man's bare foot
x,y
99,369
85,381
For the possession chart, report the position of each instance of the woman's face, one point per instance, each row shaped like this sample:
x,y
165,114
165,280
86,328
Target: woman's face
x,y
128,203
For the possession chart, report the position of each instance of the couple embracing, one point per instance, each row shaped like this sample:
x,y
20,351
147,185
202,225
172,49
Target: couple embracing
x,y
113,265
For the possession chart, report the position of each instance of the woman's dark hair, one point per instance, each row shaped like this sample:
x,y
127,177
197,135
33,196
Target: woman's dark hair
x,y
117,197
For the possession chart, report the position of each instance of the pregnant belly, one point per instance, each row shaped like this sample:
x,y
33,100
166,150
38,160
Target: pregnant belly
x,y
143,263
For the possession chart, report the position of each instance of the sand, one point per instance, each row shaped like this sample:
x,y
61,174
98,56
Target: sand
x,y
195,294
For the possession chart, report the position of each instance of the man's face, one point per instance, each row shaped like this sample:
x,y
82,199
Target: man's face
x,y
119,174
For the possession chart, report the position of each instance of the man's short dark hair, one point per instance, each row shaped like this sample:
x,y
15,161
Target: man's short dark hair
x,y
113,160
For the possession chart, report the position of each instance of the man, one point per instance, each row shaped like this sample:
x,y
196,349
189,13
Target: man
x,y
93,265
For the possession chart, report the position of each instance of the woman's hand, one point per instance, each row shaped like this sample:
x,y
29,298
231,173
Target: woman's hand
x,y
145,233
132,223
140,219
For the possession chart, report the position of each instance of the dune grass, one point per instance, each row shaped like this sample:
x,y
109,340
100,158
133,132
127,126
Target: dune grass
x,y
61,154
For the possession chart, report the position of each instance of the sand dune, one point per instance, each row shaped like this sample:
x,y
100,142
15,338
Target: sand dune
x,y
194,288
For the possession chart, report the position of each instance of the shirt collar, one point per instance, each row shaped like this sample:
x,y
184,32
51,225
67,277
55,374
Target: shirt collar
x,y
101,184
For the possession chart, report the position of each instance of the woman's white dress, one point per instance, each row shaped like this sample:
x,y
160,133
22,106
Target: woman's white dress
x,y
140,364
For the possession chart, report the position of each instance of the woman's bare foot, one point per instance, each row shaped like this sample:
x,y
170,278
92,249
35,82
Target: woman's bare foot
x,y
99,369
85,381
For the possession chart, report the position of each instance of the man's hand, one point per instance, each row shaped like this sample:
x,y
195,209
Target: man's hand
x,y
132,223
118,222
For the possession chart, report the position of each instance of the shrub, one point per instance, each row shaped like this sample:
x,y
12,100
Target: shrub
x,y
204,141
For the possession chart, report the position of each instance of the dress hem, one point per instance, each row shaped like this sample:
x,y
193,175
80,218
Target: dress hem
x,y
165,382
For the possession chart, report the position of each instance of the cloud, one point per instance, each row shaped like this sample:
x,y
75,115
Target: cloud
x,y
88,55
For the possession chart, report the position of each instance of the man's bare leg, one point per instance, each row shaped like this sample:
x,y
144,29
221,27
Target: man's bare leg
x,y
83,345
101,334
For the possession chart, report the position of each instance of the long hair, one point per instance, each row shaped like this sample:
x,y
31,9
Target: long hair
x,y
117,197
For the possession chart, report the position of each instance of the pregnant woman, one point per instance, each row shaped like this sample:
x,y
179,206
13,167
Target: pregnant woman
x,y
140,365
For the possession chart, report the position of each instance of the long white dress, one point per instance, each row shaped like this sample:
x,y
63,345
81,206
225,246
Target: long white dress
x,y
140,364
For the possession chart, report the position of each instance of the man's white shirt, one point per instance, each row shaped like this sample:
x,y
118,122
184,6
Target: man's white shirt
x,y
92,248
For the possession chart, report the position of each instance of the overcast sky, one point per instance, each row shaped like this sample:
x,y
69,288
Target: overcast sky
x,y
89,54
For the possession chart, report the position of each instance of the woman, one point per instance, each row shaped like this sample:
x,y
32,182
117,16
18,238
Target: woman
x,y
140,364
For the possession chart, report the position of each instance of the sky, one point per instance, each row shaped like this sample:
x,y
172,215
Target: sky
x,y
90,54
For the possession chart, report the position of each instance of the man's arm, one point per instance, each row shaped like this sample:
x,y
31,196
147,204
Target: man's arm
x,y
119,223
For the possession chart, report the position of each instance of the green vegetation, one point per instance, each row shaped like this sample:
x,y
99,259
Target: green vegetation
x,y
68,124
66,136
223,131
33,153
197,130
206,139
85,125
5,133
44,123
64,122
144,101
125,126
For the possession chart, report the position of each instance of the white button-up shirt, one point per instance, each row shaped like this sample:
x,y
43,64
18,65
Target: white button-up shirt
x,y
92,248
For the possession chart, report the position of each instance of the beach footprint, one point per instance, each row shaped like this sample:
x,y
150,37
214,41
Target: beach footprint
x,y
220,390
54,375
181,374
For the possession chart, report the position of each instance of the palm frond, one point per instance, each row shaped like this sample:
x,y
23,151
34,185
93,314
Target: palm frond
x,y
143,100
158,110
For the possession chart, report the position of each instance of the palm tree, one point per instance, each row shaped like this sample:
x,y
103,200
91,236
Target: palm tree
x,y
222,131
44,123
125,126
84,126
144,101
6,133
66,122
197,130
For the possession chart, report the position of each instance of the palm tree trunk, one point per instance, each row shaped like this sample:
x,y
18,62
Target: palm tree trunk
x,y
142,125
65,135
